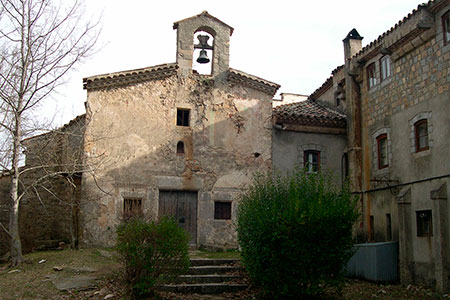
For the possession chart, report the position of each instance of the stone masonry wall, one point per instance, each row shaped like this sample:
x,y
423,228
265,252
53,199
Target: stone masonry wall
x,y
132,136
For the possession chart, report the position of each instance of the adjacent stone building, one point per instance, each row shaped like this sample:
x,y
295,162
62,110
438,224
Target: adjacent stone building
x,y
395,93
171,141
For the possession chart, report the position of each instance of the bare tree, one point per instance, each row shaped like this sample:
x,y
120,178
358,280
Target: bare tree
x,y
40,41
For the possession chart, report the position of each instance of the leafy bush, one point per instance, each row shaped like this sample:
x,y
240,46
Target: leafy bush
x,y
295,233
152,253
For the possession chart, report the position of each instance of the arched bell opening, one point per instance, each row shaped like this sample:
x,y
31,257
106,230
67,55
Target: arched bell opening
x,y
202,62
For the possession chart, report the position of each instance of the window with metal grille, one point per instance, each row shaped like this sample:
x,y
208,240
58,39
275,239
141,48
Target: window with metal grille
x,y
182,117
222,210
312,161
371,75
382,146
424,223
421,135
388,227
132,207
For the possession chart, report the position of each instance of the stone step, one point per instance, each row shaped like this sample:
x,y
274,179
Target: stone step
x,y
213,262
210,270
192,279
205,288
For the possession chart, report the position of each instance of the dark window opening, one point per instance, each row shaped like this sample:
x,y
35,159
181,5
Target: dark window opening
x,y
382,149
385,67
421,135
132,207
388,227
180,148
424,223
446,27
257,154
182,117
371,76
312,161
222,210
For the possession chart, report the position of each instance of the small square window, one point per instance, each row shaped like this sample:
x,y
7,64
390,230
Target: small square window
x,y
132,207
222,210
382,147
424,223
371,75
385,67
182,117
312,161
421,135
446,27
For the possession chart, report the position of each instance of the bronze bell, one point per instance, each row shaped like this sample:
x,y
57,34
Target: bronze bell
x,y
203,57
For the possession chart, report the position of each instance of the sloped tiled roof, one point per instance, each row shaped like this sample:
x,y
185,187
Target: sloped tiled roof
x,y
308,113
252,81
123,78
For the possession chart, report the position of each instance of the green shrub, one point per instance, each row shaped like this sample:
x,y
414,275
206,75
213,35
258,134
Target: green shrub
x,y
295,233
152,253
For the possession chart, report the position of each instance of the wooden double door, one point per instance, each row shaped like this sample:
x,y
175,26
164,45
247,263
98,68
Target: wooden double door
x,y
182,206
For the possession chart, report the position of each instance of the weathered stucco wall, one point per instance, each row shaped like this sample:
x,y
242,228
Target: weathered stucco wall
x,y
132,137
289,147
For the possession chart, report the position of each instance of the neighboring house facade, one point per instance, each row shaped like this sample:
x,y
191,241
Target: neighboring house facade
x,y
309,135
395,93
175,142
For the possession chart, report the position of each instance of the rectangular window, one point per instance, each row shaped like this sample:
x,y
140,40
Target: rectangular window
x,y
382,146
385,67
222,210
388,227
182,117
312,161
421,135
132,207
424,223
446,27
371,76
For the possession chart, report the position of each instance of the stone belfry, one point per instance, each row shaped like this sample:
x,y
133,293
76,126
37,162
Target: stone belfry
x,y
220,42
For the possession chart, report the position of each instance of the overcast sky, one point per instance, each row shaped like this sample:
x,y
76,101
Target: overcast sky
x,y
293,43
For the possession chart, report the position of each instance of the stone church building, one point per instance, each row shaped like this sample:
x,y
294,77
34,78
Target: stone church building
x,y
176,142
184,139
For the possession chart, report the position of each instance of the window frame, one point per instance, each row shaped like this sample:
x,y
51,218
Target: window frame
x,y
371,75
225,212
388,66
184,121
381,137
421,224
417,137
445,30
306,161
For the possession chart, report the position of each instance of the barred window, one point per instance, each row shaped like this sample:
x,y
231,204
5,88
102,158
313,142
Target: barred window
x,y
222,210
132,207
424,223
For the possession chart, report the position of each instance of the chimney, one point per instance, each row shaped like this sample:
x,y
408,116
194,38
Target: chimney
x,y
352,44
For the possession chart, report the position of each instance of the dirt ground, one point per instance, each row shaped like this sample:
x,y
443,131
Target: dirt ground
x,y
98,271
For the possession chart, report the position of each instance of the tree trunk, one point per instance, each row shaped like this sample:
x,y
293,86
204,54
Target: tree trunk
x,y
16,245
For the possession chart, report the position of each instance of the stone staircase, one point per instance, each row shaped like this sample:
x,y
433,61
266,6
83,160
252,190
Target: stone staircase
x,y
209,276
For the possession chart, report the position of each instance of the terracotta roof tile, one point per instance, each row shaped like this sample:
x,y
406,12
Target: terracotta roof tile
x,y
309,113
129,77
252,81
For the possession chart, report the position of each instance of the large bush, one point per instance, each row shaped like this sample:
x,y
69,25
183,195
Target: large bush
x,y
295,233
152,253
